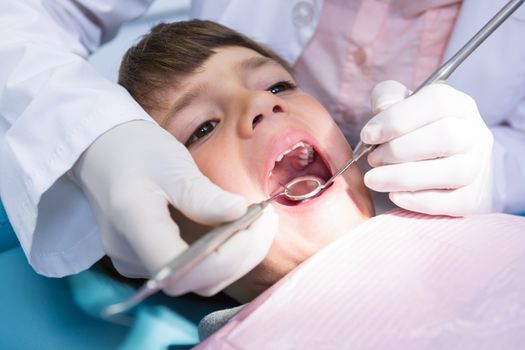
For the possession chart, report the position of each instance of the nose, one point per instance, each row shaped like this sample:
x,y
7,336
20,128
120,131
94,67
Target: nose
x,y
260,105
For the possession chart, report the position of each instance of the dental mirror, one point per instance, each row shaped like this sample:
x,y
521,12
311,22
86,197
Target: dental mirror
x,y
309,186
303,187
299,189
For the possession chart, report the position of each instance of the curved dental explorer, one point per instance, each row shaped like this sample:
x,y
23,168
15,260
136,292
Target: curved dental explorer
x,y
299,189
306,187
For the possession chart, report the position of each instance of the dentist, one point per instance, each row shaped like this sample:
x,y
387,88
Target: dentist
x,y
86,172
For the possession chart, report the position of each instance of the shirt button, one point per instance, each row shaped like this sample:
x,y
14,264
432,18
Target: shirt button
x,y
303,13
360,56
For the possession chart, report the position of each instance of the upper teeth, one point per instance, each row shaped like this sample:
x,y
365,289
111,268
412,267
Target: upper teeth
x,y
307,152
306,155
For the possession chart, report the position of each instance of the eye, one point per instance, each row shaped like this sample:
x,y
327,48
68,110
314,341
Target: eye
x,y
202,130
282,86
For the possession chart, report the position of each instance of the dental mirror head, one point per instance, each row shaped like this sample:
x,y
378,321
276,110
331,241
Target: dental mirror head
x,y
303,187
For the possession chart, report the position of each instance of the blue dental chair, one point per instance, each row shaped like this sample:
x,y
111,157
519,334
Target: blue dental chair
x,y
37,312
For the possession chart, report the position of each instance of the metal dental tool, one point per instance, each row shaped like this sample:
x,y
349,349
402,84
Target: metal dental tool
x,y
187,260
442,73
299,189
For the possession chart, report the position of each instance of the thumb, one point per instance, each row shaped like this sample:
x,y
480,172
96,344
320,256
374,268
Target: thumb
x,y
232,260
387,93
195,196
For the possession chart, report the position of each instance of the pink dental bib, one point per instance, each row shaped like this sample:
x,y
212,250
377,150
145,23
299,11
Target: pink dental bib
x,y
399,281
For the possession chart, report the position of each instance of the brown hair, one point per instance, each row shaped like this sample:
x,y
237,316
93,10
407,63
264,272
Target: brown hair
x,y
174,50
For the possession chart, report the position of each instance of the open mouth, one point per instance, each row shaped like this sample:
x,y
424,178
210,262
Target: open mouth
x,y
299,160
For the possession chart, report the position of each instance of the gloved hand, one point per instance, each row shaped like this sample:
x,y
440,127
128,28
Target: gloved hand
x,y
130,174
435,152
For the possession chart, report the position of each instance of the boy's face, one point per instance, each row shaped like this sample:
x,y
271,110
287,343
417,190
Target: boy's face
x,y
238,114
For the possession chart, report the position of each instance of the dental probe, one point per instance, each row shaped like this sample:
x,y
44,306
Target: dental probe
x,y
306,187
443,72
295,190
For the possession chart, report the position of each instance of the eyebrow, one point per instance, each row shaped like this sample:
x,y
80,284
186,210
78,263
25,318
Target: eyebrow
x,y
184,101
254,63
187,98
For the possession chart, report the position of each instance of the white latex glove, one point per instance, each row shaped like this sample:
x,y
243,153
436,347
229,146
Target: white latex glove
x,y
435,152
130,174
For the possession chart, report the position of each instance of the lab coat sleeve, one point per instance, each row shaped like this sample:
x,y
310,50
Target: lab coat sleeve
x,y
509,133
494,76
53,105
509,163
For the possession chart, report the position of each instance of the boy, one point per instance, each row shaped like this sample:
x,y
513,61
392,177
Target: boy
x,y
249,128
398,280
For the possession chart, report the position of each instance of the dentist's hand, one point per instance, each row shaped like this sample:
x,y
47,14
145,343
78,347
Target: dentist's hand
x,y
435,152
130,174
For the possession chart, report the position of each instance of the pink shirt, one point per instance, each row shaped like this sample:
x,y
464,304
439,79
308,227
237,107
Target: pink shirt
x,y
399,281
360,43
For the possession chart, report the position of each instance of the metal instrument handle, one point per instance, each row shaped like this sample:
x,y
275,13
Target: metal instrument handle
x,y
184,262
443,72
205,245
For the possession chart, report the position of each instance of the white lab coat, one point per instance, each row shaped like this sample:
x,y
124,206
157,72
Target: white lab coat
x,y
53,104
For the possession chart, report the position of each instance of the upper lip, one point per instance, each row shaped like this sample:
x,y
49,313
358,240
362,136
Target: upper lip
x,y
280,143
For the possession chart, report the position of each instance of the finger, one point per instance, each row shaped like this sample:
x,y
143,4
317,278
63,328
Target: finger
x,y
387,93
151,233
456,202
123,256
444,173
433,102
245,250
202,201
442,138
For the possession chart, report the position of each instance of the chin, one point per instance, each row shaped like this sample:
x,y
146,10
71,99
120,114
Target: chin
x,y
304,230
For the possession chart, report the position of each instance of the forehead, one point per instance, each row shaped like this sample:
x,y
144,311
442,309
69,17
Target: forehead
x,y
240,59
226,62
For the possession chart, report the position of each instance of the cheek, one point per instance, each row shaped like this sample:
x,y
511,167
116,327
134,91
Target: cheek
x,y
317,119
229,173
